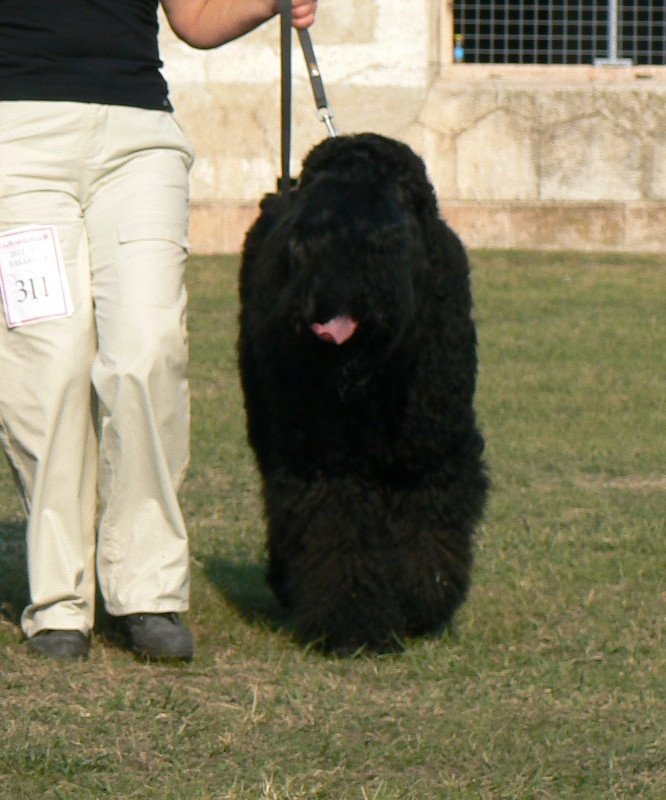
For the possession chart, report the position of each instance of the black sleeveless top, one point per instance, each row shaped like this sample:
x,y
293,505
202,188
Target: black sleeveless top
x,y
91,51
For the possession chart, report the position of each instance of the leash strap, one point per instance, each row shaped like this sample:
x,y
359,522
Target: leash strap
x,y
285,182
323,109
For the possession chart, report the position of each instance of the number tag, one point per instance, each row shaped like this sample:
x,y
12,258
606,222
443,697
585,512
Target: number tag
x,y
33,282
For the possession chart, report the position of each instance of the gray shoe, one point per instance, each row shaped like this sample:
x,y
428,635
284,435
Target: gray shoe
x,y
65,645
157,635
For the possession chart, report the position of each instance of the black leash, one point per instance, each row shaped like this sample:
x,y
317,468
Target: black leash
x,y
323,109
285,182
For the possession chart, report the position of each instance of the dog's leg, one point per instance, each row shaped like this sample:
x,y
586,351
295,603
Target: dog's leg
x,y
432,527
328,563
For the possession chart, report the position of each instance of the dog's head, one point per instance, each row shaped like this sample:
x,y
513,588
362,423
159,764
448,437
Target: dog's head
x,y
371,157
349,243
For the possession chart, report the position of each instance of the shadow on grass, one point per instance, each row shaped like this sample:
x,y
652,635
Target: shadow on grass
x,y
243,585
14,595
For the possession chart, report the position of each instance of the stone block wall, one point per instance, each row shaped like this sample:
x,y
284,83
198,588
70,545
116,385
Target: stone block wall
x,y
520,157
552,158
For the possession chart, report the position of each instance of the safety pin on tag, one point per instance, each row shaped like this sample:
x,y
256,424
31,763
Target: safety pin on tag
x,y
33,282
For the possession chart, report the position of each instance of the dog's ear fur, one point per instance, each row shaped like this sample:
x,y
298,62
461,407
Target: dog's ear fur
x,y
372,157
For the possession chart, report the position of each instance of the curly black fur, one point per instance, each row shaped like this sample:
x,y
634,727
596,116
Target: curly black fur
x,y
369,451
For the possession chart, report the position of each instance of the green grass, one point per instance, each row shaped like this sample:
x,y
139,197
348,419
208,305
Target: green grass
x,y
552,683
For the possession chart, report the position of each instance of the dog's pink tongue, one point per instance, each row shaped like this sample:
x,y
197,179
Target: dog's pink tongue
x,y
338,329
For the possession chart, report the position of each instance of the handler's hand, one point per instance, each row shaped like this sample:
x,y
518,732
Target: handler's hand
x,y
303,13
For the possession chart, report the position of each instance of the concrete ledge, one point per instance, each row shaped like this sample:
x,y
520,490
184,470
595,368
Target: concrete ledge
x,y
219,227
631,227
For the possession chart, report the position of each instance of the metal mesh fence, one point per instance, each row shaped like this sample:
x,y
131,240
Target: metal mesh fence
x,y
560,32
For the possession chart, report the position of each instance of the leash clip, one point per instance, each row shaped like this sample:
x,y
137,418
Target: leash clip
x,y
326,116
323,111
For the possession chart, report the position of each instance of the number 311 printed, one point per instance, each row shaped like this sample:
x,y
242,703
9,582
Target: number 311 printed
x,y
31,289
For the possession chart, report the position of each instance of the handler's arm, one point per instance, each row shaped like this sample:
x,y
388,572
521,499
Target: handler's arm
x,y
210,23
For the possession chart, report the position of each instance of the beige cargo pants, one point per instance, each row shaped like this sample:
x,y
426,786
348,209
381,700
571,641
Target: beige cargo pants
x,y
94,408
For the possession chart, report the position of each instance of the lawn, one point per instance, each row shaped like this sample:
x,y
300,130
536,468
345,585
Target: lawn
x,y
552,683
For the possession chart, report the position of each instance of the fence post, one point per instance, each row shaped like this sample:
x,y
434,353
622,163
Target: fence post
x,y
612,59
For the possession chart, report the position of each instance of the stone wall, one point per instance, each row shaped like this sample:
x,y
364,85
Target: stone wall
x,y
520,157
549,160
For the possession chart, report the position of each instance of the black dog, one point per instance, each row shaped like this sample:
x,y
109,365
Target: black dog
x,y
358,364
